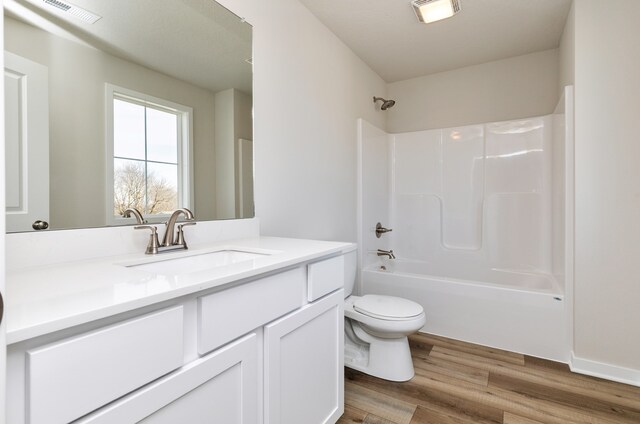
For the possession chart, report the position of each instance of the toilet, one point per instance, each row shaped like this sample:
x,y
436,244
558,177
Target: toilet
x,y
376,329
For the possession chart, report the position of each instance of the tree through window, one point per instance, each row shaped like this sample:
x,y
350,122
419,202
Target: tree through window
x,y
148,147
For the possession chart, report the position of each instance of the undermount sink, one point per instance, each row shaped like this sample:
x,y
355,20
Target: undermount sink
x,y
197,262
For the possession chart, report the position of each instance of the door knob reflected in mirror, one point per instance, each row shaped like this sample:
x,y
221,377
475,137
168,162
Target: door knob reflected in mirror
x,y
40,225
1,308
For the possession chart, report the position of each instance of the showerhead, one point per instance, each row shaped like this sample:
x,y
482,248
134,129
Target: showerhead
x,y
386,104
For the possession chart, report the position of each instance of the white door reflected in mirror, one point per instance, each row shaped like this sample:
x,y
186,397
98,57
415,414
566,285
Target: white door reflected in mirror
x,y
27,142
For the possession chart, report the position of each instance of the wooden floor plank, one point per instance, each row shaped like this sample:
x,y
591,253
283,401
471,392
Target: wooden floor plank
x,y
614,393
567,377
419,348
415,393
545,364
506,400
373,419
592,404
462,383
468,358
425,415
514,419
352,415
379,404
453,370
477,350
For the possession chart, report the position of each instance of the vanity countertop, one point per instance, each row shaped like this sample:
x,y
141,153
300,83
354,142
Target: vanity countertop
x,y
44,299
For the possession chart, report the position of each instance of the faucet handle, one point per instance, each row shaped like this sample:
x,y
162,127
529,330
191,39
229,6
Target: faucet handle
x,y
181,240
380,230
184,224
152,246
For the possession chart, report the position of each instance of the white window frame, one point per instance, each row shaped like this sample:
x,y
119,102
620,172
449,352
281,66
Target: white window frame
x,y
185,148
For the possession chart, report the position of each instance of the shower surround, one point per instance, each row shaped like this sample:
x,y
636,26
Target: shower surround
x,y
480,218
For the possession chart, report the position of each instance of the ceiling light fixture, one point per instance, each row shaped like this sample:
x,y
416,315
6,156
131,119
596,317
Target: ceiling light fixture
x,y
428,11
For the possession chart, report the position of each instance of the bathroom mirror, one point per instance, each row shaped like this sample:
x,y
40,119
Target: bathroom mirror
x,y
119,103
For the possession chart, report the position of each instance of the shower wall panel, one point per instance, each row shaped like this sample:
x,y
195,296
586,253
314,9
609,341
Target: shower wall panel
x,y
479,192
415,193
462,169
374,187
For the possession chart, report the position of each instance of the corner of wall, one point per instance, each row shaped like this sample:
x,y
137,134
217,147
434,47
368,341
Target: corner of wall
x,y
604,370
567,52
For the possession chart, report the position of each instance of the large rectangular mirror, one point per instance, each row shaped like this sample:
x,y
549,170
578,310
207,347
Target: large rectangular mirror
x,y
117,104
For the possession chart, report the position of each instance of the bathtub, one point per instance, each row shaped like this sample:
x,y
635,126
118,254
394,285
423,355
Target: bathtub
x,y
516,311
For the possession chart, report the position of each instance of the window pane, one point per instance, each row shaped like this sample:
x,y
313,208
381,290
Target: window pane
x,y
128,185
128,130
162,191
162,136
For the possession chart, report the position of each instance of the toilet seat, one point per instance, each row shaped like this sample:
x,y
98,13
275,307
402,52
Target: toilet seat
x,y
387,308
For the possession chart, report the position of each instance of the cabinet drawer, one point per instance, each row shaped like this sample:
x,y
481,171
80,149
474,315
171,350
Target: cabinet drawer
x,y
218,388
325,277
228,314
72,377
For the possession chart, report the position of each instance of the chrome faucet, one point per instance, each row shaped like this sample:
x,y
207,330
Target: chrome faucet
x,y
136,213
169,233
169,241
388,253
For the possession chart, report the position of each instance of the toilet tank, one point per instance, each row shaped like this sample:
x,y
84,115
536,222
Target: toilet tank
x,y
350,268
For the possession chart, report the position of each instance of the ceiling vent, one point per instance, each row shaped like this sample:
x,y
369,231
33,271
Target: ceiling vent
x,y
428,11
75,11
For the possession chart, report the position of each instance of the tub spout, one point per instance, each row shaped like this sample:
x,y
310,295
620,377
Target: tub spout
x,y
388,253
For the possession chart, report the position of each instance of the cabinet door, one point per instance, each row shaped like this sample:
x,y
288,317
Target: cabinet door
x,y
218,388
304,374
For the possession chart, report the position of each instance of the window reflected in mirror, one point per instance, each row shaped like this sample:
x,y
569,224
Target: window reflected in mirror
x,y
149,138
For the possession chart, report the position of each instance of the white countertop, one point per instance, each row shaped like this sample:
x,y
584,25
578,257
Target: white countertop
x,y
44,299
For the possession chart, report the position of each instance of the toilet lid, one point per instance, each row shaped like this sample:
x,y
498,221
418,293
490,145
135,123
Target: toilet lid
x,y
387,307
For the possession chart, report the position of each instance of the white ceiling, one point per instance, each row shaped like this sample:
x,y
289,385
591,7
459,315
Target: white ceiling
x,y
389,38
197,41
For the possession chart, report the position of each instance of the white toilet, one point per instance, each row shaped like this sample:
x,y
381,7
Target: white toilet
x,y
376,329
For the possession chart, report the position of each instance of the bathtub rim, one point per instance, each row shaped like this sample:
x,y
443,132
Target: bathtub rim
x,y
555,291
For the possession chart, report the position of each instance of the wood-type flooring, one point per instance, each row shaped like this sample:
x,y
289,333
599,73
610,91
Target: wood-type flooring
x,y
462,383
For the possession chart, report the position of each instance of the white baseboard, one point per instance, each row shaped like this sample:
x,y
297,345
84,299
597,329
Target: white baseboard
x,y
603,370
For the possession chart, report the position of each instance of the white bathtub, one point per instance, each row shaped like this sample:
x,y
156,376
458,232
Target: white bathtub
x,y
517,311
473,274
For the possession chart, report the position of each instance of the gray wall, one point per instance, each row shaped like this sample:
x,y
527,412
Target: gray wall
x,y
607,224
309,89
517,87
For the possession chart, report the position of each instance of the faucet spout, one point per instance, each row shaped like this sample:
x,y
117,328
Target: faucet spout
x,y
388,253
136,213
169,235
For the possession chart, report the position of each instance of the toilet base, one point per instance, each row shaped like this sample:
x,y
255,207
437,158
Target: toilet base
x,y
389,359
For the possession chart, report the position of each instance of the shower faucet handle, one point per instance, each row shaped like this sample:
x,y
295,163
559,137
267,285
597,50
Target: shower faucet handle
x,y
380,230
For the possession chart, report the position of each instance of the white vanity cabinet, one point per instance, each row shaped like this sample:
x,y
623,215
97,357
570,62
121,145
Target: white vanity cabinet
x,y
304,374
264,350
